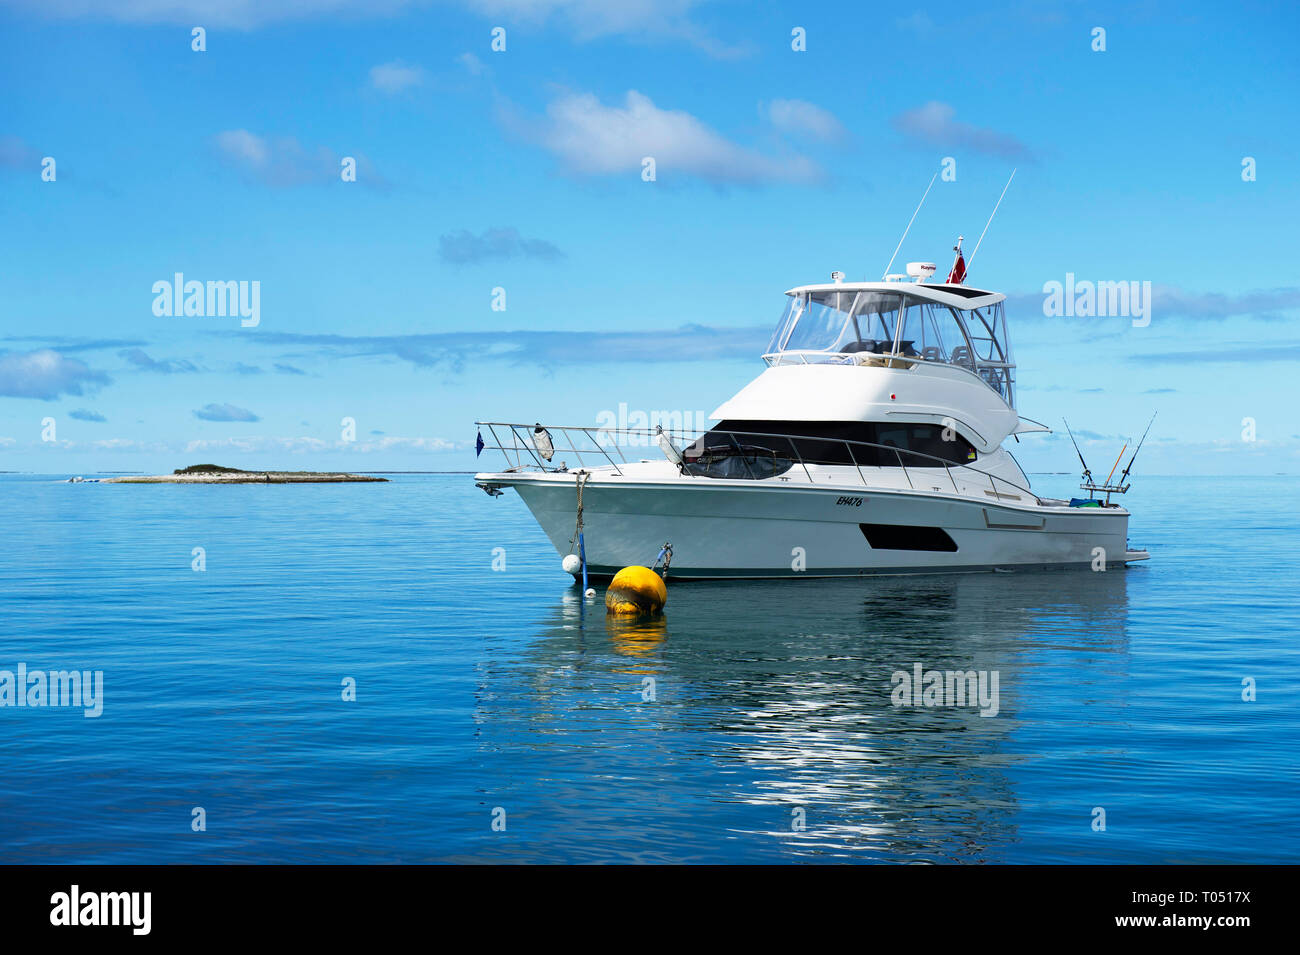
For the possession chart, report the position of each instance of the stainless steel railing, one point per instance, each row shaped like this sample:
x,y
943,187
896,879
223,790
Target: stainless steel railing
x,y
521,443
522,452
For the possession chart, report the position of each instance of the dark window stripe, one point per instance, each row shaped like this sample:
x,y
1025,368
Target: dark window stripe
x,y
906,537
821,442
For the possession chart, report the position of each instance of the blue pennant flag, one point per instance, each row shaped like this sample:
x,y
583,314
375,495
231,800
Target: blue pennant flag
x,y
478,444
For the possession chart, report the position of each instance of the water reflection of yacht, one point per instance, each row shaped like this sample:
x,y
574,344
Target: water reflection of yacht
x,y
800,716
871,444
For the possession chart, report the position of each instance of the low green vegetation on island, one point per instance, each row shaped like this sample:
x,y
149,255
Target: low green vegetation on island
x,y
209,469
219,474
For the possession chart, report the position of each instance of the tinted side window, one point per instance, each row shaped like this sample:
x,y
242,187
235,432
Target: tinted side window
x,y
927,439
823,442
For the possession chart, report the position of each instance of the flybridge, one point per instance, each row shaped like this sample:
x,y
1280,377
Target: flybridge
x,y
898,325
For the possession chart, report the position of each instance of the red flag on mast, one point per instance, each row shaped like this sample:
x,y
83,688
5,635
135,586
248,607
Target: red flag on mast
x,y
958,272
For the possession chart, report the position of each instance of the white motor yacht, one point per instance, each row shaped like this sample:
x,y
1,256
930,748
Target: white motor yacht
x,y
872,443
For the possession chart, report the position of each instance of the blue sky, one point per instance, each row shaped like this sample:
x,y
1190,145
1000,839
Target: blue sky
x,y
521,170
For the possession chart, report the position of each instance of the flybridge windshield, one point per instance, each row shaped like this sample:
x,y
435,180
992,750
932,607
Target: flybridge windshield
x,y
831,325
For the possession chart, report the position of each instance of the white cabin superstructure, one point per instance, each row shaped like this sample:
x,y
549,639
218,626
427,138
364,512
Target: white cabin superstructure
x,y
938,352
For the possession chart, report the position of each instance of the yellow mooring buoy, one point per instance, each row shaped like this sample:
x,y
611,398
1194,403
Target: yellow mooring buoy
x,y
636,591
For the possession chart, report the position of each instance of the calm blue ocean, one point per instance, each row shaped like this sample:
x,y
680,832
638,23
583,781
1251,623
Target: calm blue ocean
x,y
481,690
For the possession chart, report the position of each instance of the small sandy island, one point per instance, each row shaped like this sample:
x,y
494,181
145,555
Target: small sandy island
x,y
216,474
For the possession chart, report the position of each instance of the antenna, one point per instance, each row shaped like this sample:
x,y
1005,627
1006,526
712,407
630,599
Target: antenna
x,y
987,224
910,221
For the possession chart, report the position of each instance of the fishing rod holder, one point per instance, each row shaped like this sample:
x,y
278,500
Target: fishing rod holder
x,y
1107,489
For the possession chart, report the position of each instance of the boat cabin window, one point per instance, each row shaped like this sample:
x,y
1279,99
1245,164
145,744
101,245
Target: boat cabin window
x,y
837,323
821,323
794,305
987,330
758,449
876,321
830,325
935,333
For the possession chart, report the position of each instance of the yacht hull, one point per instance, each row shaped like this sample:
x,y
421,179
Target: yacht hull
x,y
753,530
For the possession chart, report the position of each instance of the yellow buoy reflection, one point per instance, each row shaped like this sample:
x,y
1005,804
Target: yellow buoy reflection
x,y
636,637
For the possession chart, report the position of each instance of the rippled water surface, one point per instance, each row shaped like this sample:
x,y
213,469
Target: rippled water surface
x,y
482,691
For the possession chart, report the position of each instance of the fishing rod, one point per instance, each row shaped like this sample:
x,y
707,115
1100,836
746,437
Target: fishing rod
x,y
1137,449
1118,458
1087,475
1106,487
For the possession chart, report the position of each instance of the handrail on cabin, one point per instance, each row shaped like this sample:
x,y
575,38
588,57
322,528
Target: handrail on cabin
x,y
895,359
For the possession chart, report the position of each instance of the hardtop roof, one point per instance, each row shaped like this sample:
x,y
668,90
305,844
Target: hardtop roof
x,y
957,296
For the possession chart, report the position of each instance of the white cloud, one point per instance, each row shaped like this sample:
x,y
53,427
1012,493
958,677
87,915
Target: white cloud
x,y
255,444
396,76
244,147
305,445
394,443
1169,302
283,161
464,247
591,138
167,366
592,19
584,19
127,444
45,374
239,14
225,412
798,117
473,65
935,124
